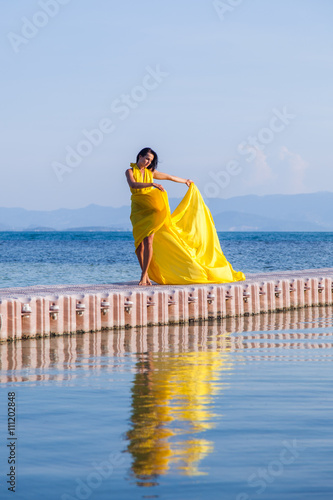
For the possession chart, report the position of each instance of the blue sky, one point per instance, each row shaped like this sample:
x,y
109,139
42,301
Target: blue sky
x,y
236,95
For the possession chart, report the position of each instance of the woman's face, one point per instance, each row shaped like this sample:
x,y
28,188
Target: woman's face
x,y
145,161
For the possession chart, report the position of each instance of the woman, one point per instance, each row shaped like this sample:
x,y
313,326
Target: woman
x,y
178,248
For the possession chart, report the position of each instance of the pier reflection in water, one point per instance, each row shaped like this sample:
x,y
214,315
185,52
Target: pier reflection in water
x,y
206,403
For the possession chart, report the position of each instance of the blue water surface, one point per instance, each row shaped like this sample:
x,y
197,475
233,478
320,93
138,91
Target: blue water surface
x,y
228,410
178,412
30,258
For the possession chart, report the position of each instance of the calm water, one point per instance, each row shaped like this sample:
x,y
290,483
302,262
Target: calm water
x,y
75,257
239,410
233,410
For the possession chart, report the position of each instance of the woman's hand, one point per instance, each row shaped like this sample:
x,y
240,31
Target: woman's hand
x,y
158,186
188,182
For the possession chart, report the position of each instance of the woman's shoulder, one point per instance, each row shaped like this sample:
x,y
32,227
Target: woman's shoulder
x,y
131,167
129,173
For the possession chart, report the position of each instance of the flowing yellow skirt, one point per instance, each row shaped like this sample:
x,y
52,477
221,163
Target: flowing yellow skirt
x,y
186,248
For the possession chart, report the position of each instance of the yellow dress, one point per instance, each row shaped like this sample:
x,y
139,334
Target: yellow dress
x,y
186,248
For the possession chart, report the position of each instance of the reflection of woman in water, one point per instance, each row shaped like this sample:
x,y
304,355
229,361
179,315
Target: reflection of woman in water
x,y
178,248
172,400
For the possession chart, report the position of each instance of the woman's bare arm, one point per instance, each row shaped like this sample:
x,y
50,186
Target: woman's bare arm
x,y
166,177
140,185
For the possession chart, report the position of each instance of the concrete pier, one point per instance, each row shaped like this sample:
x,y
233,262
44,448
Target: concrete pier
x,y
65,309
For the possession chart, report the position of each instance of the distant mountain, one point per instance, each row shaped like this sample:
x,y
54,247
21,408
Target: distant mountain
x,y
40,228
237,221
293,212
99,228
64,218
298,212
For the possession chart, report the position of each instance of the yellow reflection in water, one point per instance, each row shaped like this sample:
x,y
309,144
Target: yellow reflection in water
x,y
173,396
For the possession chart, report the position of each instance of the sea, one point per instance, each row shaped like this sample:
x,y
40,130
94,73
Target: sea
x,y
39,258
232,409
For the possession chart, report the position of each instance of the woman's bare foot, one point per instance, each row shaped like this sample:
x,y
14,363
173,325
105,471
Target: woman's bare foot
x,y
144,281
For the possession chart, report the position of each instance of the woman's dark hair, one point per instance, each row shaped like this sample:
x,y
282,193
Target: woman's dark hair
x,y
143,152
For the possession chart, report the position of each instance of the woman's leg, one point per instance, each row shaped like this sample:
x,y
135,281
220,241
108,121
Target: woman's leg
x,y
147,256
139,254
